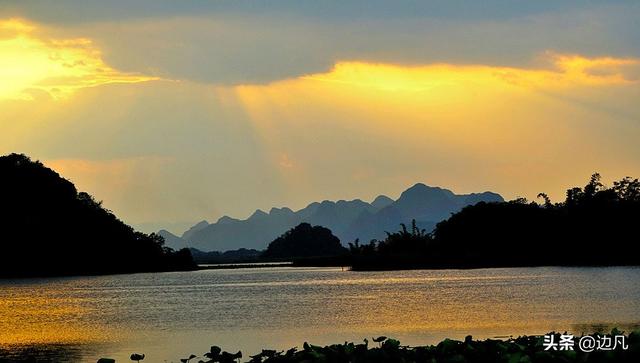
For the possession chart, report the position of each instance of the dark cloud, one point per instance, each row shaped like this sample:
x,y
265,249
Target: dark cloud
x,y
74,11
234,42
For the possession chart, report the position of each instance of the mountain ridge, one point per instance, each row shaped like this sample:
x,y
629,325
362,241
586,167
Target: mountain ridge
x,y
347,219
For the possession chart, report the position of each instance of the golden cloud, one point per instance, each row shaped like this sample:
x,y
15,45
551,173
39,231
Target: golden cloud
x,y
469,113
440,91
31,62
566,71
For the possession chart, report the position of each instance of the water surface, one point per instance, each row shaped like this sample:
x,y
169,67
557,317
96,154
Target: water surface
x,y
171,315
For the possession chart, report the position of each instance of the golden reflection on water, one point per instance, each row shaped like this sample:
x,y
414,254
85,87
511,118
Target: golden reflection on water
x,y
168,314
47,315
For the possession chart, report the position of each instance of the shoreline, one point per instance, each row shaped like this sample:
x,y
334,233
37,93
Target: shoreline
x,y
226,266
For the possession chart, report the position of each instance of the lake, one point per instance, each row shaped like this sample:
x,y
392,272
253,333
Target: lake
x,y
168,316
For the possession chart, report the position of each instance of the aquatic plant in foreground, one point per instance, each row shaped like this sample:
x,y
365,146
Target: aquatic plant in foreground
x,y
524,349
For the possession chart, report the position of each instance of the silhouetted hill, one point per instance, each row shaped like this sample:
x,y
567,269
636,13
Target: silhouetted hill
x,y
255,232
595,225
305,240
171,240
198,226
49,228
381,201
347,219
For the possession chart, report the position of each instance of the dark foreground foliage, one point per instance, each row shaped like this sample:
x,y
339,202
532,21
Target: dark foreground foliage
x,y
525,349
49,228
519,350
595,225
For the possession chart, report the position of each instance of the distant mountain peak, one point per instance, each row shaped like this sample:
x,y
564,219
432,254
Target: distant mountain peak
x,y
197,227
280,212
422,190
226,219
258,214
171,240
381,201
423,186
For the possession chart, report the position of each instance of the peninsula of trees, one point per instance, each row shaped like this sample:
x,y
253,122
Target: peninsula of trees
x,y
595,225
48,228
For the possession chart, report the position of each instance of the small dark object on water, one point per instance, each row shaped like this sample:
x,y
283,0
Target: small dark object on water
x,y
137,357
106,360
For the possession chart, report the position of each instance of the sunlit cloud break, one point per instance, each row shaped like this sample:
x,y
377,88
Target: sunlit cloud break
x,y
565,70
31,63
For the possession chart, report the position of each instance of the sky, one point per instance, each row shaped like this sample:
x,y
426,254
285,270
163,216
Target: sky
x,y
172,112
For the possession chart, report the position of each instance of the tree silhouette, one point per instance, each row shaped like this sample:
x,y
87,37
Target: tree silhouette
x,y
595,225
305,240
49,228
